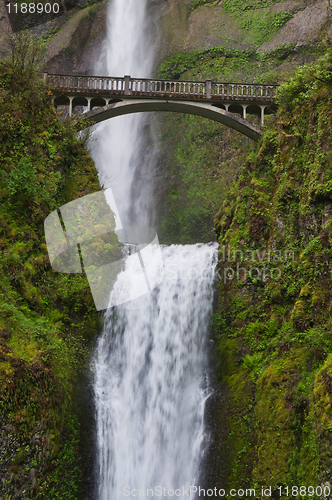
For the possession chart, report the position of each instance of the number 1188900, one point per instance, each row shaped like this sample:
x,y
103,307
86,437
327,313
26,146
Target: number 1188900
x,y
304,491
33,8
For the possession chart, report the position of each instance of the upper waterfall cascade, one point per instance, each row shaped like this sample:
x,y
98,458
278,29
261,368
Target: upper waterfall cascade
x,y
118,146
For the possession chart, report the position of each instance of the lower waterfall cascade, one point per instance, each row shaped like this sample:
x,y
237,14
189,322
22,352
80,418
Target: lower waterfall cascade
x,y
151,379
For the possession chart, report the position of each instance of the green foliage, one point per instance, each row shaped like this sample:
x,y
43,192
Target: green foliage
x,y
47,319
198,3
199,179
256,18
314,245
24,183
178,63
63,484
263,24
305,83
252,362
238,6
22,179
224,64
24,60
278,332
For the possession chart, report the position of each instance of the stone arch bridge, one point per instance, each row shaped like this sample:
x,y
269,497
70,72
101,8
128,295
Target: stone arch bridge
x,y
107,97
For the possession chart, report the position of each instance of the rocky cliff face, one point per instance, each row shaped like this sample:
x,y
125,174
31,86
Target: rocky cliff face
x,y
76,47
181,27
73,41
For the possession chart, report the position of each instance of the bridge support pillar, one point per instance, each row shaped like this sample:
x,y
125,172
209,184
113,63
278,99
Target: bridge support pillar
x,y
70,105
262,114
244,106
226,106
89,103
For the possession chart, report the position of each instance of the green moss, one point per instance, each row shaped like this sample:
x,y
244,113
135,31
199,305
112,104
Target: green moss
x,y
238,6
208,63
263,25
47,319
199,168
195,4
225,64
279,328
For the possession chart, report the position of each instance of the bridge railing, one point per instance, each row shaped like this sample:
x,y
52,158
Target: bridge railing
x,y
162,88
176,88
81,83
243,90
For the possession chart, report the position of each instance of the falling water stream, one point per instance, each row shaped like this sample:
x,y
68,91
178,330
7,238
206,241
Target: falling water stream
x,y
127,51
150,365
151,380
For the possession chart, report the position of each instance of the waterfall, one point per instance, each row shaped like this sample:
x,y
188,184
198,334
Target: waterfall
x,y
127,51
151,379
150,366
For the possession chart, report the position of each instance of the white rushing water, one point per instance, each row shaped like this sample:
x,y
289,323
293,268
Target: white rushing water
x,y
151,379
150,366
127,51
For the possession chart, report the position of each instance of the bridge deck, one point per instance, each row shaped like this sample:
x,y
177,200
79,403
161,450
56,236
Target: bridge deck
x,y
207,91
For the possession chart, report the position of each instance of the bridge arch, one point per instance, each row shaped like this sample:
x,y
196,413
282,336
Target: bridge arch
x,y
205,110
